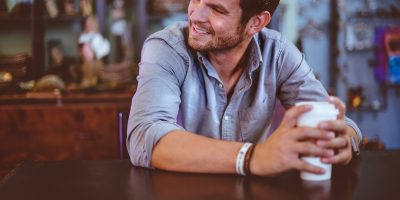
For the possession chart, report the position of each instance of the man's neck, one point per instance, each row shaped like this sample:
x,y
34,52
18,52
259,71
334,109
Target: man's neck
x,y
229,64
226,62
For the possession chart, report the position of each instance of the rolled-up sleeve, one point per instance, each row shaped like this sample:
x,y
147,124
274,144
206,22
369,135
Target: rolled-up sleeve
x,y
297,82
155,105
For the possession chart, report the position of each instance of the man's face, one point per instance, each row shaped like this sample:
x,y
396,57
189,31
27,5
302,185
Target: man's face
x,y
215,24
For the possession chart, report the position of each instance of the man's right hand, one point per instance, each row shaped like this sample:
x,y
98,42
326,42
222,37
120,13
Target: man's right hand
x,y
283,149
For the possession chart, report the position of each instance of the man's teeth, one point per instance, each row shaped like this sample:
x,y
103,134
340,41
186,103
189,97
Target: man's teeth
x,y
200,31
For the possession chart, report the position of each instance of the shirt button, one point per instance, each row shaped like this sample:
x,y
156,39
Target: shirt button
x,y
221,86
226,118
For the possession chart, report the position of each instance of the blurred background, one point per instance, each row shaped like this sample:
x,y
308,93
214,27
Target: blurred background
x,y
68,69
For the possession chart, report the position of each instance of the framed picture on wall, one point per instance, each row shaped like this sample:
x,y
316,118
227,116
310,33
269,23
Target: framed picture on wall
x,y
359,36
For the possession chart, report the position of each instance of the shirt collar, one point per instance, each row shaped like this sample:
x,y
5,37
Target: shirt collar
x,y
255,53
204,61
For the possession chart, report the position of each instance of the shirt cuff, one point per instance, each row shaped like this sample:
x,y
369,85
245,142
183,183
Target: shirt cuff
x,y
353,125
142,145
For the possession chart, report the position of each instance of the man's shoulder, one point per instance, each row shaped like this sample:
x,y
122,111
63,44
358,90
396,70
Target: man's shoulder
x,y
173,35
168,46
274,41
271,35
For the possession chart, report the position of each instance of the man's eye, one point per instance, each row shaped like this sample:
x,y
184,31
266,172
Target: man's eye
x,y
219,11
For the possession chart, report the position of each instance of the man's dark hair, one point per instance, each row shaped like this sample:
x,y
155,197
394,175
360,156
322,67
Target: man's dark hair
x,y
254,7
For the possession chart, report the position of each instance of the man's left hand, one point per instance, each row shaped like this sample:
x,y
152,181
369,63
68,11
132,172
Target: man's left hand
x,y
342,142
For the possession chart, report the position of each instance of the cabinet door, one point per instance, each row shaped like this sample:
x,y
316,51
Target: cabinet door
x,y
70,132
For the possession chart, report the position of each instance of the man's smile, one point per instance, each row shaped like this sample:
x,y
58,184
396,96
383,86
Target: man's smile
x,y
199,31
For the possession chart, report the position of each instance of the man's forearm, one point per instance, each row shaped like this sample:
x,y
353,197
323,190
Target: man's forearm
x,y
187,152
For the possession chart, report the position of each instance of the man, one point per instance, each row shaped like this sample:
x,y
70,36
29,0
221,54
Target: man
x,y
208,86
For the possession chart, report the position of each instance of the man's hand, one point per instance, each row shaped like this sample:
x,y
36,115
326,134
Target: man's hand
x,y
281,152
342,142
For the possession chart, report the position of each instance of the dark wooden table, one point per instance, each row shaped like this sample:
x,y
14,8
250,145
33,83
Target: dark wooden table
x,y
373,175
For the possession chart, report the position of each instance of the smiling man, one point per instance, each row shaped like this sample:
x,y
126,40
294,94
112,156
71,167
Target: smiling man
x,y
206,94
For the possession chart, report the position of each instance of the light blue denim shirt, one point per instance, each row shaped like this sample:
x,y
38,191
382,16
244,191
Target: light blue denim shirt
x,y
179,89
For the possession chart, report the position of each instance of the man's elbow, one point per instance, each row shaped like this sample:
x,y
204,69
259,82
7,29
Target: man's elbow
x,y
137,152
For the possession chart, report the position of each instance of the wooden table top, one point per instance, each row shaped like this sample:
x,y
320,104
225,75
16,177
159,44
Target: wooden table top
x,y
373,175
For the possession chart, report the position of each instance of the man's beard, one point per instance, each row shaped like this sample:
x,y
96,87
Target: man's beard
x,y
218,43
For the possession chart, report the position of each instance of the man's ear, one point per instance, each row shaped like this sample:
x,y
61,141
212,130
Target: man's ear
x,y
258,22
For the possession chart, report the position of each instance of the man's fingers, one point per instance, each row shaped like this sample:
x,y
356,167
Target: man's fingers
x,y
339,105
304,133
338,126
310,149
336,143
342,157
290,118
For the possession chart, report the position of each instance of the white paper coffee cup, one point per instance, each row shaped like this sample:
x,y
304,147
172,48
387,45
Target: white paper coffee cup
x,y
321,111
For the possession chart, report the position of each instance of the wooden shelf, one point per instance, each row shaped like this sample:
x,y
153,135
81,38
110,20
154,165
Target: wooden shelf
x,y
14,21
52,98
63,19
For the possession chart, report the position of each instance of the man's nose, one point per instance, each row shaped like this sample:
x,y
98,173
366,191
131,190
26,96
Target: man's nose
x,y
198,14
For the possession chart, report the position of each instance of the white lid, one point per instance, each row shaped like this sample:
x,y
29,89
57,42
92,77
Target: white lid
x,y
320,107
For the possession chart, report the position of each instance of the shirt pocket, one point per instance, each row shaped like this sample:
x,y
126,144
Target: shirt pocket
x,y
253,122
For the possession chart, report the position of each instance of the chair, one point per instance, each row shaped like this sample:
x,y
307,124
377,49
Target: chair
x,y
122,133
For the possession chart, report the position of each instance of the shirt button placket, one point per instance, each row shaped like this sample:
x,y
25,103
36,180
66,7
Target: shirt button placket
x,y
225,125
226,118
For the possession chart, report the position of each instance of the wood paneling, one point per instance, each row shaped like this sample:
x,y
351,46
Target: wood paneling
x,y
81,131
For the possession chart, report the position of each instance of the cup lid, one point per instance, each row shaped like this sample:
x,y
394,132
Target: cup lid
x,y
320,107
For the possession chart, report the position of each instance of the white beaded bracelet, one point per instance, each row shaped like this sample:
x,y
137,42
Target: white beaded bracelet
x,y
240,159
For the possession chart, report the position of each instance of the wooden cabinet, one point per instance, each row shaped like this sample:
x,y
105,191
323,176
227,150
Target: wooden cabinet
x,y
74,127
